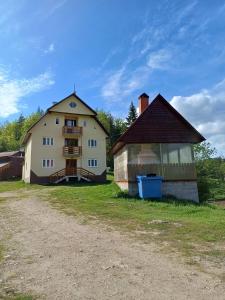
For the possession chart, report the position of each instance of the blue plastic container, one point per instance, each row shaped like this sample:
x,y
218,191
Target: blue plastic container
x,y
149,187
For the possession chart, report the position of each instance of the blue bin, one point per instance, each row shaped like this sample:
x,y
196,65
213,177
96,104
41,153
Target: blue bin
x,y
149,187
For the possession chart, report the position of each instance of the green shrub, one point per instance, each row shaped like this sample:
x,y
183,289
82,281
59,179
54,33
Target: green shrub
x,y
204,189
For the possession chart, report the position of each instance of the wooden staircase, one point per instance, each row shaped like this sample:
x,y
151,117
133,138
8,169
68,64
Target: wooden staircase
x,y
67,173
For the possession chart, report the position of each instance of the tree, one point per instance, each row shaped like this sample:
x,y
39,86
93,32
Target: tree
x,y
11,133
115,127
132,115
204,151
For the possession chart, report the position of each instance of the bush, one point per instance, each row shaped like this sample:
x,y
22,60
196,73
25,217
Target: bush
x,y
204,189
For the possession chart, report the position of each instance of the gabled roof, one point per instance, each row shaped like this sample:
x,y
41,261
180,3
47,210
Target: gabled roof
x,y
28,134
159,123
74,95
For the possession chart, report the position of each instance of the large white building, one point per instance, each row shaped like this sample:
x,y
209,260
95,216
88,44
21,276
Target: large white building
x,y
67,141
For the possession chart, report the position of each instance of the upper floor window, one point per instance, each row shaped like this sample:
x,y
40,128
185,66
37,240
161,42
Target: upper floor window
x,y
92,143
47,141
57,121
92,163
70,123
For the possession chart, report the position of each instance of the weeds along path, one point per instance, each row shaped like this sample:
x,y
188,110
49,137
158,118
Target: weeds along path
x,y
55,256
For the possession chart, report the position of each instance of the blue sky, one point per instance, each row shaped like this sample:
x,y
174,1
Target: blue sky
x,y
113,51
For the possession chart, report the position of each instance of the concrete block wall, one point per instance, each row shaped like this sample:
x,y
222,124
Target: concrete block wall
x,y
187,190
181,189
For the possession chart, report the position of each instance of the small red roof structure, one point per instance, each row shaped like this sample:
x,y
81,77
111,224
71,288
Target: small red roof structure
x,y
159,123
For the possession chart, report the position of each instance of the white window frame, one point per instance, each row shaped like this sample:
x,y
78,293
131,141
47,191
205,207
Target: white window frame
x,y
92,143
45,163
47,141
92,163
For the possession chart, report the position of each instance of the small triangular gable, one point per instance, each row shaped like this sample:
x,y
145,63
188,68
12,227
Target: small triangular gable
x,y
72,105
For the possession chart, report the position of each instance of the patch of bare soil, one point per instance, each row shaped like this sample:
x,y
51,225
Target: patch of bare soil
x,y
54,256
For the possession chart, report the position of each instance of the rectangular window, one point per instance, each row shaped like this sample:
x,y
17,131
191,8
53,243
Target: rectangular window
x,y
92,163
57,121
48,141
92,143
47,163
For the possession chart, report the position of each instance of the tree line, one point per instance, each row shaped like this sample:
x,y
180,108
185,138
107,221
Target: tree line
x,y
11,133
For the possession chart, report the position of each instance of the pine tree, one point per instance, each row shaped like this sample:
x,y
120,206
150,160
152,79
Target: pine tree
x,y
132,115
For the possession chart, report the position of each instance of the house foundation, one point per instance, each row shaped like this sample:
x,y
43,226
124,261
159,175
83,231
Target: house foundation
x,y
184,190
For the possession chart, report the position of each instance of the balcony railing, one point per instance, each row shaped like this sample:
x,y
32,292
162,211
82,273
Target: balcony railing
x,y
74,130
72,151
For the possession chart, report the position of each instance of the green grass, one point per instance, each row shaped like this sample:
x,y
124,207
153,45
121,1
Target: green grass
x,y
186,226
13,185
217,189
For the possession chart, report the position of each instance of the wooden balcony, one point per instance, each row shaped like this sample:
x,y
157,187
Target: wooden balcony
x,y
74,131
72,151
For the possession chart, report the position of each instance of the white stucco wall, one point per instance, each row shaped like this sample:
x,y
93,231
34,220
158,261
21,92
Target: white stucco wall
x,y
47,127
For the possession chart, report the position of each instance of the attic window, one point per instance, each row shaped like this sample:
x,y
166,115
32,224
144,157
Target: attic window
x,y
57,121
72,104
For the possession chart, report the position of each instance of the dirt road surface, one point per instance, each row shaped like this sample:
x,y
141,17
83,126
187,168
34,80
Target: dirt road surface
x,y
55,256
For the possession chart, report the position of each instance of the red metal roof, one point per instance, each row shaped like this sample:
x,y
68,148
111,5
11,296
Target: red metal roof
x,y
159,123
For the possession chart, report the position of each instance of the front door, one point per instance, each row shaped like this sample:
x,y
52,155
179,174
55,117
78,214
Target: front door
x,y
71,167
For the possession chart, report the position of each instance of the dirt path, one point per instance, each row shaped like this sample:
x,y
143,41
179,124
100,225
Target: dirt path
x,y
56,257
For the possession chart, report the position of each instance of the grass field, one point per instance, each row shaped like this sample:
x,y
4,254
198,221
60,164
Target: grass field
x,y
185,226
12,185
189,228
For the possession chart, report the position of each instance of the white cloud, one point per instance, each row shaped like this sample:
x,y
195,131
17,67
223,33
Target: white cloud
x,y
159,59
206,111
50,49
13,90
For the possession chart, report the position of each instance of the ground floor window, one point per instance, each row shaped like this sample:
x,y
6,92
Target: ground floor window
x,y
47,163
92,163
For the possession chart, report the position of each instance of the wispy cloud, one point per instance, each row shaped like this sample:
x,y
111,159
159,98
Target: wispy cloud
x,y
12,90
163,43
54,7
159,59
50,49
206,110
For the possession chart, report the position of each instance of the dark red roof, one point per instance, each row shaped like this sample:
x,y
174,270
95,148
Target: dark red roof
x,y
159,123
